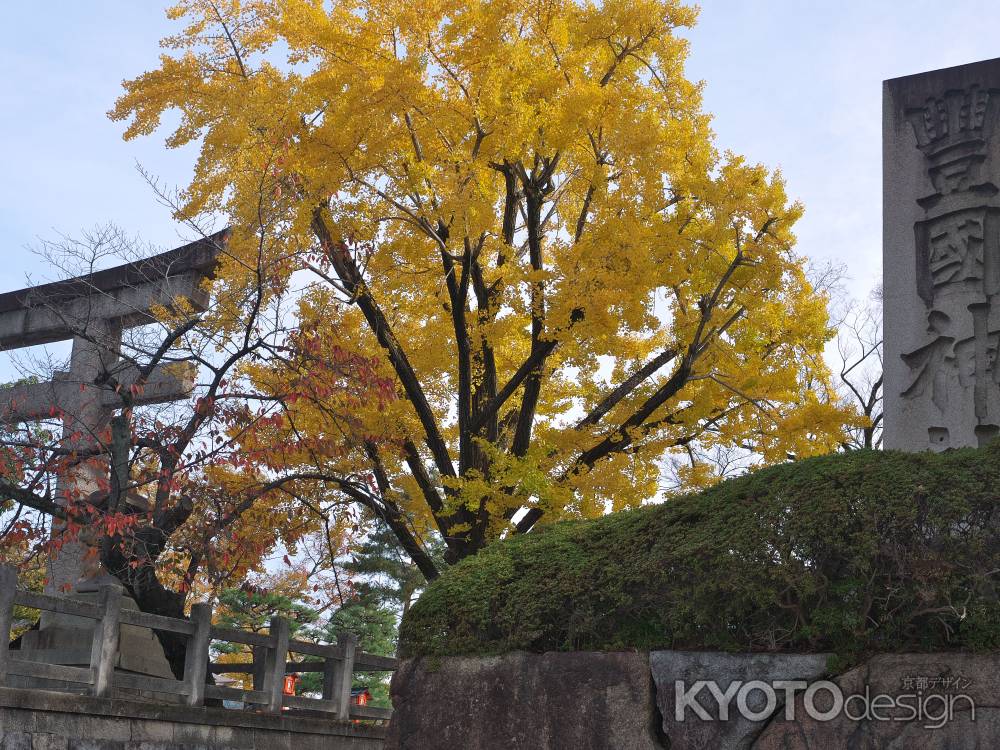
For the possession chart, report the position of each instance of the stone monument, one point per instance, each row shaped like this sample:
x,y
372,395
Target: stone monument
x,y
92,311
941,255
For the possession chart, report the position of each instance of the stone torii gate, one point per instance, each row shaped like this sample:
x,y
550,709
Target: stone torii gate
x,y
92,311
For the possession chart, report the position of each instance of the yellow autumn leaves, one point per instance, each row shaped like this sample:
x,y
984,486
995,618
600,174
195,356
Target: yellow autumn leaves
x,y
516,184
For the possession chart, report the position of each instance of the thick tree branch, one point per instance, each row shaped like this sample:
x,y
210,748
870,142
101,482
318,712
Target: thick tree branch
x,y
536,187
416,465
626,387
29,499
458,291
352,281
486,392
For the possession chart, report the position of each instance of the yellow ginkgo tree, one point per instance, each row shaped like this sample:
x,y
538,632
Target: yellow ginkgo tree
x,y
518,209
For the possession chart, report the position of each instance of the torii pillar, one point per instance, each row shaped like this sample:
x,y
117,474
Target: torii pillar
x,y
92,311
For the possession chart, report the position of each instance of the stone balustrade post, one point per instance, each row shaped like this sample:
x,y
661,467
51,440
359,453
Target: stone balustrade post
x,y
104,650
274,676
196,656
8,589
344,674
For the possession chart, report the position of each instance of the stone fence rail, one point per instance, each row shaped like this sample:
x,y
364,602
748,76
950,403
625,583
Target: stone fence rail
x,y
337,662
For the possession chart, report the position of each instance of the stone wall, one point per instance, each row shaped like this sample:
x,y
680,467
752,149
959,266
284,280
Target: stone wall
x,y
628,701
41,720
519,701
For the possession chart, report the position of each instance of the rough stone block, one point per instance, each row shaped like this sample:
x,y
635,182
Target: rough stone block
x,y
222,736
520,701
270,740
192,733
16,720
91,727
313,742
234,737
147,730
15,741
44,741
692,732
895,676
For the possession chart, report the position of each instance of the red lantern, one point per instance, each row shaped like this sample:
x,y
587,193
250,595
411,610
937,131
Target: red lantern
x,y
289,686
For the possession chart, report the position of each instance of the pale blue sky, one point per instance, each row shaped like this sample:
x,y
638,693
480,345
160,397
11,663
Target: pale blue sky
x,y
792,84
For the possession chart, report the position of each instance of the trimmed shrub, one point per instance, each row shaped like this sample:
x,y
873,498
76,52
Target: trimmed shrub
x,y
854,553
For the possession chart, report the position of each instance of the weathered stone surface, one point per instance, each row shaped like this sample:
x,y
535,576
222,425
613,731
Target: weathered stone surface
x,y
152,731
43,741
520,701
15,741
599,700
692,732
898,675
941,255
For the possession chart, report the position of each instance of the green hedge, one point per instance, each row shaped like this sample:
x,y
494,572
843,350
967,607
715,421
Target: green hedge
x,y
853,553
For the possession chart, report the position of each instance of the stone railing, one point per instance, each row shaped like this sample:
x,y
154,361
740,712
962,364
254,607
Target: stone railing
x,y
337,662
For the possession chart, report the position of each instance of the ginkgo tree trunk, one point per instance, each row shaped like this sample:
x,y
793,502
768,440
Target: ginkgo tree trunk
x,y
520,207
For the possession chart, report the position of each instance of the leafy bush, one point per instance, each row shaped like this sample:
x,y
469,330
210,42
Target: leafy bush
x,y
853,553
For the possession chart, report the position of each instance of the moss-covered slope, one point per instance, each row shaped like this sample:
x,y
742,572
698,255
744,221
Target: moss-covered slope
x,y
853,553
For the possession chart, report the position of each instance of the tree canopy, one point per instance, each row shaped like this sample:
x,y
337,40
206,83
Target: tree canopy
x,y
517,212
